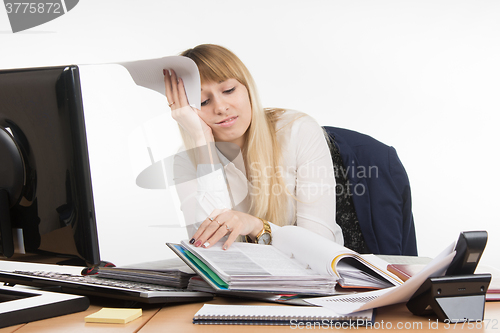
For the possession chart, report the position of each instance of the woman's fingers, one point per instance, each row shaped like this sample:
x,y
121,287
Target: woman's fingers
x,y
224,227
207,226
225,222
181,92
187,116
216,236
175,90
168,85
230,239
211,230
202,228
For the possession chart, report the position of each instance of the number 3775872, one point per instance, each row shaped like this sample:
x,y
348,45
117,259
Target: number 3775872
x,y
33,8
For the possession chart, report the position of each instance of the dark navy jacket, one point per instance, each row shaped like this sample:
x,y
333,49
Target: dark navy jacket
x,y
381,192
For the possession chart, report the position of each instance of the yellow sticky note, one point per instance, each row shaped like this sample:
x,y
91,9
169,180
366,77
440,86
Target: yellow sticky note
x,y
114,316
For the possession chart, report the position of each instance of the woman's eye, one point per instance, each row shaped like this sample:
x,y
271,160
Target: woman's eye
x,y
229,90
204,103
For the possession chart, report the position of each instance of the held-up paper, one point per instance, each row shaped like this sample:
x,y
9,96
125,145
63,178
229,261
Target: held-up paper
x,y
149,74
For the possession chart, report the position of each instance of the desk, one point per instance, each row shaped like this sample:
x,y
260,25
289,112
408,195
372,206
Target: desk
x,y
178,318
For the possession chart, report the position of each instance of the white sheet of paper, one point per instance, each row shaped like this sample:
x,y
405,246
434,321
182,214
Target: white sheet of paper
x,y
149,74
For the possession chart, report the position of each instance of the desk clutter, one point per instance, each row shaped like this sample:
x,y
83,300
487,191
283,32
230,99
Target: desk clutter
x,y
428,291
428,288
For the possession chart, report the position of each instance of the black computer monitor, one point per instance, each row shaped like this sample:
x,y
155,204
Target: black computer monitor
x,y
46,204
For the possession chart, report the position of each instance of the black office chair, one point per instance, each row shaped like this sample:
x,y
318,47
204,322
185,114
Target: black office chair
x,y
373,195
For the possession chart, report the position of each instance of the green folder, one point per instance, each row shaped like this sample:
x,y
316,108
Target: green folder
x,y
199,266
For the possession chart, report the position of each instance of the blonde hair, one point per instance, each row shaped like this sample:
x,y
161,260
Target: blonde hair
x,y
261,150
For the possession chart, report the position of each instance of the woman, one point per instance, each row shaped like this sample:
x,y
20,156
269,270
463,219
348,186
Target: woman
x,y
248,170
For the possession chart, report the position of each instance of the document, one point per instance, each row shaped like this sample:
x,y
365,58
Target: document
x,y
253,268
393,295
326,257
149,74
298,261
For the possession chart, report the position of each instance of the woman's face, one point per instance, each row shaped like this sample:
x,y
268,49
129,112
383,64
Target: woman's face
x,y
226,108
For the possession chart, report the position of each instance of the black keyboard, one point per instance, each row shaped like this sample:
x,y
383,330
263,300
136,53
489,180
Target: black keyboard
x,y
94,280
103,287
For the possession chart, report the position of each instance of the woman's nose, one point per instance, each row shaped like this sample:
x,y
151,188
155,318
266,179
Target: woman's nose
x,y
220,106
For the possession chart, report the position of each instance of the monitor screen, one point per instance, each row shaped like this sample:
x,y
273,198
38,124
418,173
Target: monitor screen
x,y
46,203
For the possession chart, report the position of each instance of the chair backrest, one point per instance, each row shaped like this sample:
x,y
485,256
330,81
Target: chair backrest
x,y
380,190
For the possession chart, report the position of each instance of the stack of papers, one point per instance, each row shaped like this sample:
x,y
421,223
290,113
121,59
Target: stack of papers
x,y
249,267
171,273
299,261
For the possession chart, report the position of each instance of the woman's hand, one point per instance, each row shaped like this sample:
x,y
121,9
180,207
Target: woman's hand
x,y
223,222
187,116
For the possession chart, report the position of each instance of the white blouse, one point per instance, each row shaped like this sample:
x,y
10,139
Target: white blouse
x,y
307,170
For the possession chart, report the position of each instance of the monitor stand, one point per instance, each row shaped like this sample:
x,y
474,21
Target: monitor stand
x,y
11,186
7,241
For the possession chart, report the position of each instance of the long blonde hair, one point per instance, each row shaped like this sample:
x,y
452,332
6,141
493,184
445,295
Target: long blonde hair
x,y
261,150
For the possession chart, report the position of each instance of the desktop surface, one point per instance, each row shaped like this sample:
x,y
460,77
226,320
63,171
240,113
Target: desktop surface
x,y
178,318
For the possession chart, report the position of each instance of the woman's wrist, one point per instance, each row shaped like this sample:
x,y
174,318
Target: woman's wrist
x,y
263,236
258,226
205,151
201,142
204,139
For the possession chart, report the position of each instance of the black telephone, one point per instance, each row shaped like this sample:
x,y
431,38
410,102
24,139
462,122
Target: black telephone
x,y
469,248
460,294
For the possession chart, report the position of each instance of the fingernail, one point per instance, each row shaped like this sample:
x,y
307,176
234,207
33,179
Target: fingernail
x,y
164,72
191,241
224,247
198,243
207,244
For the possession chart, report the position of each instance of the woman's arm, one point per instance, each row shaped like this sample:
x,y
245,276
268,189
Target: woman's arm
x,y
198,173
201,183
205,194
201,190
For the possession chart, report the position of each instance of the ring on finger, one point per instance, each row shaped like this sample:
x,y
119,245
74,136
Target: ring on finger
x,y
218,223
227,228
211,219
170,105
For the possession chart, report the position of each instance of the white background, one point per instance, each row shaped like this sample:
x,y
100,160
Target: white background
x,y
422,76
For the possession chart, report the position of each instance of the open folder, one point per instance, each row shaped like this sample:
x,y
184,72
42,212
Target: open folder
x,y
388,296
298,261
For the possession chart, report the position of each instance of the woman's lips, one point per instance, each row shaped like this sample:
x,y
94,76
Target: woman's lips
x,y
228,122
